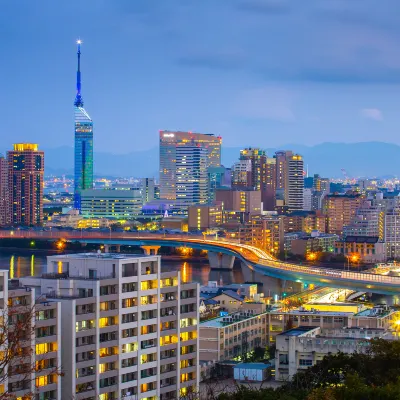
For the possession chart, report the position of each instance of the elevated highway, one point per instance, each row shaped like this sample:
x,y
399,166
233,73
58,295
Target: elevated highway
x,y
257,260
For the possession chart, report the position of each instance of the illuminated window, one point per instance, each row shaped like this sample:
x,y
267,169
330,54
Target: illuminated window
x,y
45,348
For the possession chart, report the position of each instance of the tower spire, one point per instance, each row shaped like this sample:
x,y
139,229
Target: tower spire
x,y
78,99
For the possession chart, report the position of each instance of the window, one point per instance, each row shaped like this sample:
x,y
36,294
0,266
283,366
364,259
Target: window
x,y
306,363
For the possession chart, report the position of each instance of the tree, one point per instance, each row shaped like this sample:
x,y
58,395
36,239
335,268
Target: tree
x,y
258,353
19,361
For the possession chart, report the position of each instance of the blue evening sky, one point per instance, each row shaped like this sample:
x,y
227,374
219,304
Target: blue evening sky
x,y
257,72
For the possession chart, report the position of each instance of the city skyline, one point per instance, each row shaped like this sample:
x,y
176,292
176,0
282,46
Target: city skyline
x,y
332,88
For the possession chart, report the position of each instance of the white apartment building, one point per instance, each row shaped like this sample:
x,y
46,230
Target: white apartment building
x,y
302,347
129,330
228,337
35,370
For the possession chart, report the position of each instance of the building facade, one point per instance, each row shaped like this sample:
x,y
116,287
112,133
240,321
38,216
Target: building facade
x,y
5,203
289,181
340,210
191,174
25,174
111,203
205,216
128,329
169,143
83,165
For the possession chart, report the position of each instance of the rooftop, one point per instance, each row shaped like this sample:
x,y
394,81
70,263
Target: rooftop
x,y
300,330
252,365
103,256
219,322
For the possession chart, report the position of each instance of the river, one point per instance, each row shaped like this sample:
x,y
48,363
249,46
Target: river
x,y
23,263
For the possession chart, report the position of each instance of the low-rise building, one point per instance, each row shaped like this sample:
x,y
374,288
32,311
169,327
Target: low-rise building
x,y
111,203
232,336
365,249
302,347
316,242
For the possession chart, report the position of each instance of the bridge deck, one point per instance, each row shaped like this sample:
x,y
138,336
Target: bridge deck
x,y
255,258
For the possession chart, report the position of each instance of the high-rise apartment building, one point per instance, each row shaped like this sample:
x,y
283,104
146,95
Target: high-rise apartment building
x,y
321,184
128,330
340,210
83,177
369,221
170,142
25,183
35,355
5,204
241,174
191,174
264,232
268,187
258,159
289,181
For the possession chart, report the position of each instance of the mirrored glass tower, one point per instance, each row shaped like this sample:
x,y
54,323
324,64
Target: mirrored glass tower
x,y
83,142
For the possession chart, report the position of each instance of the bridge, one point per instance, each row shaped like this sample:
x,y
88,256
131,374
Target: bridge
x,y
222,253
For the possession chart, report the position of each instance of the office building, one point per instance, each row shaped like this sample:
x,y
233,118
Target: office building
x,y
244,201
129,330
191,175
205,216
289,181
111,203
5,203
170,142
148,189
340,210
83,176
25,174
216,178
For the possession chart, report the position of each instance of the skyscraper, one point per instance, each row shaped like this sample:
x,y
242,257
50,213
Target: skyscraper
x,y
25,173
289,181
191,174
83,142
169,143
5,203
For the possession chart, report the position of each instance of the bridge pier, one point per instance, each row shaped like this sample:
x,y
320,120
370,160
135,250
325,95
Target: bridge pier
x,y
108,248
220,260
150,250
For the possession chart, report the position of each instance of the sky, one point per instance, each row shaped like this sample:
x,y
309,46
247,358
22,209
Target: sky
x,y
257,72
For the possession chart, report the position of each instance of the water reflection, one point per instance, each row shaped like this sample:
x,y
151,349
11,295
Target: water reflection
x,y
25,264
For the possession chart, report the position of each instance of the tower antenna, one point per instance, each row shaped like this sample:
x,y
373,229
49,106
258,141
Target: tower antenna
x,y
78,99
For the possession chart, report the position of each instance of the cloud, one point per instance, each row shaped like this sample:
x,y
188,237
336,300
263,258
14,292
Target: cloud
x,y
372,113
269,103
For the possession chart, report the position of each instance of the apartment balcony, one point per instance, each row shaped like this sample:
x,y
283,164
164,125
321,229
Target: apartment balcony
x,y
109,313
168,374
109,374
148,394
66,275
46,339
41,323
86,347
86,363
84,379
